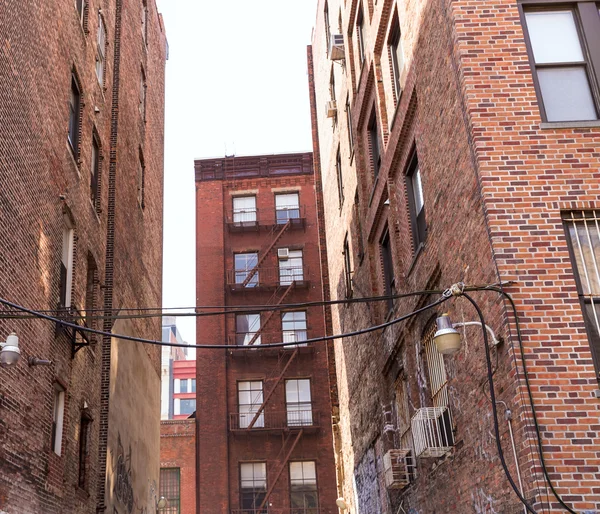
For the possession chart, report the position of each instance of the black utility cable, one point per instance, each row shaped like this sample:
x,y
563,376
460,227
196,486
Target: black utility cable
x,y
488,361
224,346
529,393
225,309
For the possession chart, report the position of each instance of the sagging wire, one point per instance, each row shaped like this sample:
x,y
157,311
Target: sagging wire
x,y
124,337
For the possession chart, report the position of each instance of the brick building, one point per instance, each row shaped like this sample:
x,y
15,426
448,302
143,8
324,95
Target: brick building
x,y
169,358
178,465
453,147
82,109
264,412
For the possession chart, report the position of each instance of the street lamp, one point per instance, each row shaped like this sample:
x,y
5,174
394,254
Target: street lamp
x,y
10,353
447,338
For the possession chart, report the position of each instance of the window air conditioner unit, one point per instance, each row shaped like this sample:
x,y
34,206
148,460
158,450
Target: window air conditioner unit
x,y
398,468
336,47
432,432
283,253
331,109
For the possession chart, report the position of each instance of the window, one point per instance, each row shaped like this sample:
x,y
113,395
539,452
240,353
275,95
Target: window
x,y
349,120
327,27
169,487
247,327
291,269
304,498
91,292
66,264
143,95
293,326
359,238
332,91
141,181
250,398
245,263
145,22
396,56
403,412
244,210
101,51
360,36
347,268
184,407
95,173
74,115
84,437
583,231
340,179
388,268
81,4
193,382
287,207
183,385
298,402
374,140
58,414
416,203
253,487
564,44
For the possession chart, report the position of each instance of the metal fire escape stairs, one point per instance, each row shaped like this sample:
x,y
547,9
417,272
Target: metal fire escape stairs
x,y
274,300
274,235
281,359
283,463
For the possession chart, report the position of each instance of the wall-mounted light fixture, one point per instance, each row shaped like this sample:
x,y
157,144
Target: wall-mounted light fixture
x,y
341,503
10,353
447,338
162,503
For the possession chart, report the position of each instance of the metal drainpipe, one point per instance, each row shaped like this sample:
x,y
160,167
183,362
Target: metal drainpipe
x,y
508,417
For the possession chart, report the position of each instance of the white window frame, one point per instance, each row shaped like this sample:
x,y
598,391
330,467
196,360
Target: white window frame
x,y
58,416
247,411
291,269
298,402
68,250
297,331
244,213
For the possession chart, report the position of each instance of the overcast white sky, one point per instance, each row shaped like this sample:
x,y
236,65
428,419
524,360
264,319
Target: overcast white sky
x,y
237,83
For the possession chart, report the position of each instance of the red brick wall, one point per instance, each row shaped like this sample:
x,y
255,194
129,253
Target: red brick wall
x,y
178,450
43,181
219,371
495,182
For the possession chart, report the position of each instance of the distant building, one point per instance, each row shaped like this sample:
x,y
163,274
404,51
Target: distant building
x,y
169,355
81,220
263,415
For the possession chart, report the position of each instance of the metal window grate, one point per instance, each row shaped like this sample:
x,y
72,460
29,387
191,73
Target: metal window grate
x,y
583,229
169,488
437,371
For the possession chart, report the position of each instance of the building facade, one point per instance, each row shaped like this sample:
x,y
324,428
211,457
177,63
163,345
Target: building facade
x,y
169,356
453,148
265,412
82,104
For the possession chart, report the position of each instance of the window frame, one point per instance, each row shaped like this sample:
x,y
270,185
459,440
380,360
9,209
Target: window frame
x,y
242,211
387,261
74,133
254,280
67,264
583,298
304,509
394,45
166,492
256,504
245,417
374,141
590,46
348,267
350,131
287,209
306,419
297,338
293,273
418,220
101,45
340,177
247,336
58,418
84,448
95,170
360,36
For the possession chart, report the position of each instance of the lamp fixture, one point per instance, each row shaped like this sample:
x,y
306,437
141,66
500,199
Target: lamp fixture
x,y
162,503
341,503
10,353
447,338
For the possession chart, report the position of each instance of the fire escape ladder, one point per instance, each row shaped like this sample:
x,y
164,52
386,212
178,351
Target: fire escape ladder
x,y
270,393
273,482
270,313
265,251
